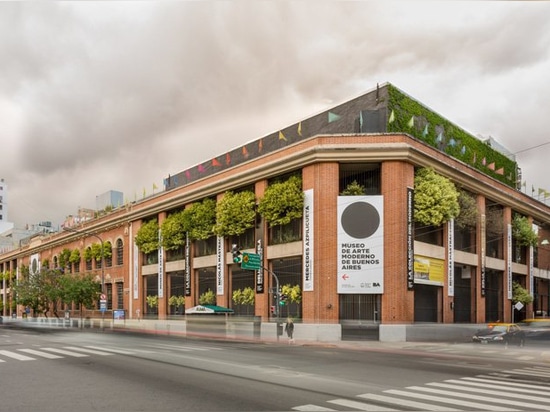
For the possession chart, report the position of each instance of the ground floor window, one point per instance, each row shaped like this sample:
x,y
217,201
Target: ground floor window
x,y
151,290
289,273
360,307
493,296
464,290
176,289
427,307
206,281
541,303
242,280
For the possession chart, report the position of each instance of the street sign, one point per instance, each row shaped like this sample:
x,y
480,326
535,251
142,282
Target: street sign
x,y
251,261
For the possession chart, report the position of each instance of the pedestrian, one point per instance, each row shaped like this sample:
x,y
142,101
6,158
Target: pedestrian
x,y
289,329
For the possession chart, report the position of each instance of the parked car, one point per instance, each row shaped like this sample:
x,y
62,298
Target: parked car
x,y
503,333
536,329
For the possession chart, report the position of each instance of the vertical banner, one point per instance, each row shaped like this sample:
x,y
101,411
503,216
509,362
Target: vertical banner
x,y
531,279
308,225
360,254
410,238
260,272
509,260
483,251
220,265
34,266
136,271
451,258
161,268
187,266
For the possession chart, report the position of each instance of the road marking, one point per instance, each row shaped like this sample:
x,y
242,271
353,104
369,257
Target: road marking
x,y
40,353
494,385
312,408
361,406
458,402
15,355
86,350
119,351
482,398
407,403
65,352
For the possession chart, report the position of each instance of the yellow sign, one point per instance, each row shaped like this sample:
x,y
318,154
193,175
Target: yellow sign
x,y
429,270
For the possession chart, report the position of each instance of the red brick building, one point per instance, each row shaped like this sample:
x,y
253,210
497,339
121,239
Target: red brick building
x,y
361,262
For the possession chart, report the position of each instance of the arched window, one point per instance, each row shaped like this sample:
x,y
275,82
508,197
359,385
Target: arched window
x,y
119,252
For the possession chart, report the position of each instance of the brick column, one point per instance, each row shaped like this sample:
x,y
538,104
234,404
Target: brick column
x,y
397,300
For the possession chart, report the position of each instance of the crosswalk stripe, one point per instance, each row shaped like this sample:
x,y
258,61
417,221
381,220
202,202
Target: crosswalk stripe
x,y
498,385
119,351
86,350
441,399
491,392
407,403
15,355
312,408
65,352
479,398
524,372
40,353
360,405
501,381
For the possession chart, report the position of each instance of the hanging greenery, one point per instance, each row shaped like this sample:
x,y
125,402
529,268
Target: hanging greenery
x,y
353,189
468,214
523,232
64,257
244,296
235,213
147,237
96,251
282,202
202,216
435,198
520,294
75,256
173,230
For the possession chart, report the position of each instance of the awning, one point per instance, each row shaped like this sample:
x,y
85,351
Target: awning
x,y
208,309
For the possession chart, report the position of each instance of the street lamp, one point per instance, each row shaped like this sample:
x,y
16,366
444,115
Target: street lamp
x,y
70,229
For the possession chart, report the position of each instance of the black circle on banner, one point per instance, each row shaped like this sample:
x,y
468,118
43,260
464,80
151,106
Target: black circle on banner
x,y
360,220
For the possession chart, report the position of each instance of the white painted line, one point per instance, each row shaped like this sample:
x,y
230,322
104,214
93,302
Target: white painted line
x,y
361,406
86,350
15,355
40,353
407,403
65,352
312,408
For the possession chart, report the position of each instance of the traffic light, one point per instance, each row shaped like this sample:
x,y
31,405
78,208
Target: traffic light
x,y
282,299
237,256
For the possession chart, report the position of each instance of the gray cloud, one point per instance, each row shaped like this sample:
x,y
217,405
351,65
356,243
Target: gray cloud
x,y
117,95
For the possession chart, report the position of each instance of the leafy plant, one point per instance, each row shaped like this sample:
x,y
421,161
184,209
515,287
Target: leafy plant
x,y
468,213
207,298
294,293
282,202
244,296
523,231
353,189
435,198
520,294
176,300
64,258
75,256
152,301
147,237
235,213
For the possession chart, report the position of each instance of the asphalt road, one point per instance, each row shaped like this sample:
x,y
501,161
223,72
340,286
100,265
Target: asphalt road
x,y
95,371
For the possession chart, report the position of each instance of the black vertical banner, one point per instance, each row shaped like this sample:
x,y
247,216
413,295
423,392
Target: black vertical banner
x,y
187,267
410,238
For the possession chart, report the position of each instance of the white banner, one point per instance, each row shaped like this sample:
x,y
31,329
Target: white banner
x,y
136,271
220,265
308,241
451,258
509,262
161,268
360,254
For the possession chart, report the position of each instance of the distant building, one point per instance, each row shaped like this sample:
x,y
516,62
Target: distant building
x,y
112,199
82,216
5,225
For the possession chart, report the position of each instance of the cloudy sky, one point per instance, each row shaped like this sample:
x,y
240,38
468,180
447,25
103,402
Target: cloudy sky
x,y
98,96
